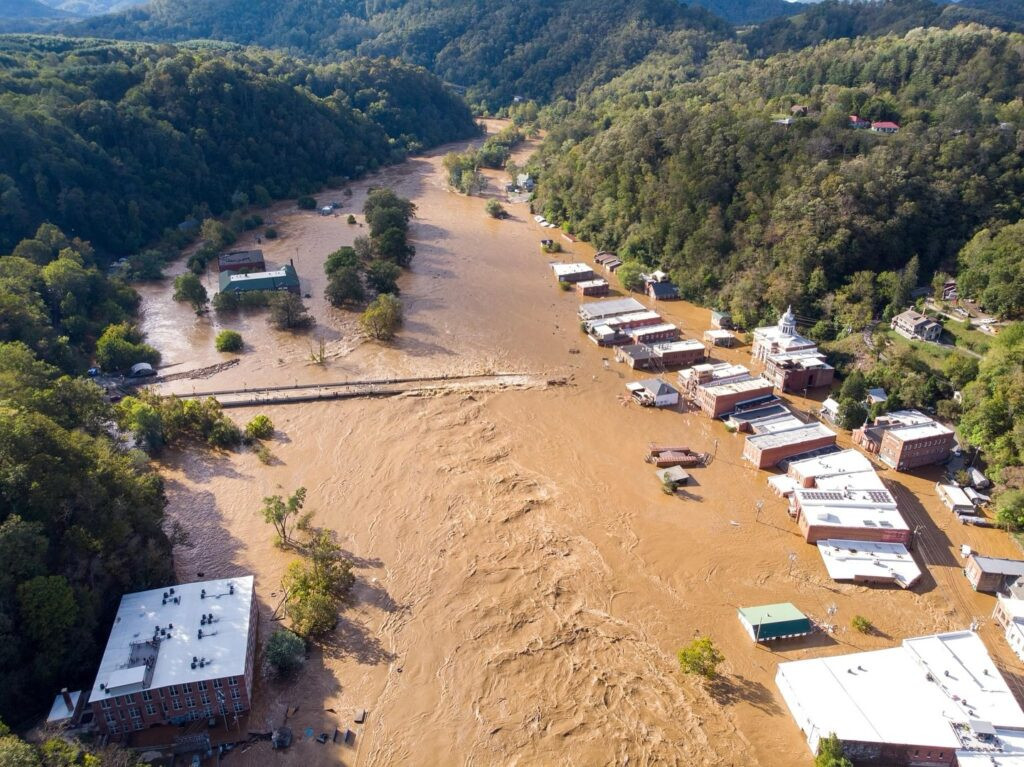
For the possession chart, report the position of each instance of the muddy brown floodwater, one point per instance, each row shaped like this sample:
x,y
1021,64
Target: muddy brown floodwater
x,y
523,583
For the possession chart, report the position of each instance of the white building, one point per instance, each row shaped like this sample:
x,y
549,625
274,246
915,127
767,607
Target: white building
x,y
869,562
780,338
654,392
1009,613
922,702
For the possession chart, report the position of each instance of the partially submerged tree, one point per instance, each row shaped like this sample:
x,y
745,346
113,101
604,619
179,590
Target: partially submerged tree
x,y
285,652
382,317
830,753
700,657
284,515
188,287
287,312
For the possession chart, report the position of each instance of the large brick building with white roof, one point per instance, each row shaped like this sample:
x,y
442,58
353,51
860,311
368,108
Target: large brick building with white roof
x,y
933,700
177,654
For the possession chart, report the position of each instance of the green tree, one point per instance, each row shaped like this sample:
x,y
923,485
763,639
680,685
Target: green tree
x,y
344,257
830,753
629,276
382,317
260,427
48,610
228,341
306,202
287,312
121,346
285,652
960,369
700,657
852,413
188,287
312,610
1010,509
861,624
283,514
855,387
383,276
495,209
18,753
345,287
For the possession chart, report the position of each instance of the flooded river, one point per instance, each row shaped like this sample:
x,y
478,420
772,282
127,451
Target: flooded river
x,y
524,584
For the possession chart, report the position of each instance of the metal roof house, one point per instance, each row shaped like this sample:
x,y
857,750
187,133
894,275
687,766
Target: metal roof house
x,y
241,261
992,573
779,621
284,278
653,392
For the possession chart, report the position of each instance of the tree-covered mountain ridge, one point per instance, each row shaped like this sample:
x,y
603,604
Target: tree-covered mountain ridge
x,y
114,142
704,178
495,49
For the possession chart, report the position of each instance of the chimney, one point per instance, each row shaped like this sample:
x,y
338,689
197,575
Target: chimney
x,y
67,699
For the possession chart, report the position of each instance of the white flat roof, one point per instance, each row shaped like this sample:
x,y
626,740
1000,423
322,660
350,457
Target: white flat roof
x,y
718,333
685,345
954,495
856,518
848,560
659,328
610,308
592,283
1006,750
911,694
277,273
790,436
561,269
59,710
833,464
737,385
920,431
140,614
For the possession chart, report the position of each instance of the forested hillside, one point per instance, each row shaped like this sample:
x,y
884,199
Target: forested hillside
x,y
494,48
751,214
80,520
749,11
115,142
835,19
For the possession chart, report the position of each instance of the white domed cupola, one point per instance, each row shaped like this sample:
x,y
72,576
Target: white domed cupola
x,y
787,322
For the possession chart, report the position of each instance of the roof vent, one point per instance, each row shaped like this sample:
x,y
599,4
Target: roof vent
x,y
202,593
231,588
200,633
172,590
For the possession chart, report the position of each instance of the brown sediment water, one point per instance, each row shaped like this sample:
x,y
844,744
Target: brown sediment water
x,y
523,583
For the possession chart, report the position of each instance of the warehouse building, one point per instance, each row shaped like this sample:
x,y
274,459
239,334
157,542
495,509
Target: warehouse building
x,y
284,278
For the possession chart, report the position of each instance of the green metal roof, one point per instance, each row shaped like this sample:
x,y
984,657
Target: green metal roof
x,y
768,614
279,279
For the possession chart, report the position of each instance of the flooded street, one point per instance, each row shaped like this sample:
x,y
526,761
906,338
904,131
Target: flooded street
x,y
523,582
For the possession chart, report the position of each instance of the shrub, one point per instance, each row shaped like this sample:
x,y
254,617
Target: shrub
x,y
264,454
224,434
830,753
565,285
351,219
270,233
700,657
861,624
285,652
260,427
382,276
382,317
495,209
1010,509
551,246
306,202
228,341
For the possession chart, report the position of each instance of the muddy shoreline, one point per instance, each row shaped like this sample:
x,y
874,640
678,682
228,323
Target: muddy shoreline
x,y
524,584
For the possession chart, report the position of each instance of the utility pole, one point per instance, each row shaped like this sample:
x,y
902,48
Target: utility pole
x,y
757,510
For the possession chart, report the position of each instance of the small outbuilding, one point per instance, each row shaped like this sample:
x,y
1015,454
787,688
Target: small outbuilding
x,y
653,393
719,337
721,320
141,370
674,477
767,623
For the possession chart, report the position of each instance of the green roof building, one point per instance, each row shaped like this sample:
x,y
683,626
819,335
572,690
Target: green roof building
x,y
284,278
769,622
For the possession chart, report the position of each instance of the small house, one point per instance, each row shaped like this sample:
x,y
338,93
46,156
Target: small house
x,y
914,326
767,623
326,210
604,257
595,287
674,477
884,126
798,110
573,272
830,409
992,574
719,338
653,393
525,182
858,123
721,320
241,261
662,291
876,395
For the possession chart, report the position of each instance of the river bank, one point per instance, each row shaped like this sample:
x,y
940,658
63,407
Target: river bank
x,y
523,581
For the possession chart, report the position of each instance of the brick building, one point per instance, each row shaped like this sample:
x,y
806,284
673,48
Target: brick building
x,y
176,655
720,389
793,437
907,439
796,371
